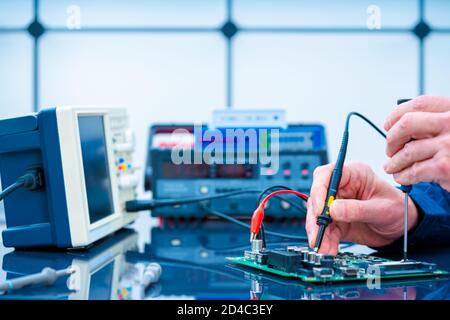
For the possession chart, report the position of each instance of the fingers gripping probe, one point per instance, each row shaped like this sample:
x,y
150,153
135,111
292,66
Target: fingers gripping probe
x,y
324,219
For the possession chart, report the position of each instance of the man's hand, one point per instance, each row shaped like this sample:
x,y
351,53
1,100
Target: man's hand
x,y
426,121
368,210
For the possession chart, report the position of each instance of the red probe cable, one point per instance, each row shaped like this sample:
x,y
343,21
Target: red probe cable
x,y
258,214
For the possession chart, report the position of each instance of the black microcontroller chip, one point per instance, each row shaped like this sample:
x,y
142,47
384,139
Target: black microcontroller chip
x,y
283,260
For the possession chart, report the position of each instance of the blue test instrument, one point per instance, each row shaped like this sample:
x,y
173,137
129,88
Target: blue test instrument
x,y
85,157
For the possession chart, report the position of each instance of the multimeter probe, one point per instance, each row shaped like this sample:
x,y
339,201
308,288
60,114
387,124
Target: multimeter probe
x,y
324,219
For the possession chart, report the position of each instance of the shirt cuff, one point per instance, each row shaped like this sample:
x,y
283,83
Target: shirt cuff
x,y
427,220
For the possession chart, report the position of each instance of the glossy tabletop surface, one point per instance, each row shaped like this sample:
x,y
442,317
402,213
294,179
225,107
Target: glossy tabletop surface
x,y
192,258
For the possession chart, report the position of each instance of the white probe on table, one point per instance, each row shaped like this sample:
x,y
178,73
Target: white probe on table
x,y
47,276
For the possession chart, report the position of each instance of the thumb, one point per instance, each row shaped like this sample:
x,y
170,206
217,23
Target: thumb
x,y
349,210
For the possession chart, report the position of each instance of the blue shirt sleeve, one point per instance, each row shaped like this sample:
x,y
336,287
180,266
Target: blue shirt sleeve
x,y
433,204
433,228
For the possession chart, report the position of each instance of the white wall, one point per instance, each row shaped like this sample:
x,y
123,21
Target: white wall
x,y
165,78
323,77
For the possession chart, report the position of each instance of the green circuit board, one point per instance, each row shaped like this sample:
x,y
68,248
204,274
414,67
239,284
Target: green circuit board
x,y
311,267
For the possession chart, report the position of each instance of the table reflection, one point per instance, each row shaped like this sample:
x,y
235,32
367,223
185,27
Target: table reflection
x,y
192,258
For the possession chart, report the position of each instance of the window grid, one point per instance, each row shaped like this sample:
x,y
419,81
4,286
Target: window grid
x,y
229,29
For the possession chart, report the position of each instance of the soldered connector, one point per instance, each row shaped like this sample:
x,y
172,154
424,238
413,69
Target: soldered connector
x,y
257,253
257,246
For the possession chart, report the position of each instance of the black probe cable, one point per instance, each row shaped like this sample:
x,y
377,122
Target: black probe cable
x,y
141,205
262,194
280,187
247,226
32,180
260,197
324,219
270,233
373,125
10,189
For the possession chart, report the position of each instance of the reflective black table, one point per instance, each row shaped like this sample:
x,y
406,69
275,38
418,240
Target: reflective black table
x,y
192,257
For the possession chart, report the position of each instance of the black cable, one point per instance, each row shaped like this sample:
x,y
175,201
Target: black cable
x,y
247,226
373,125
262,235
141,205
293,204
260,197
262,231
10,189
31,180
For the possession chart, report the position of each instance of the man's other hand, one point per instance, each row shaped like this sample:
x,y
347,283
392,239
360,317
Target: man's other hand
x,y
418,141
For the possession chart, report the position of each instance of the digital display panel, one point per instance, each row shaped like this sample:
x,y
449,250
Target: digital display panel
x,y
96,167
184,171
234,171
205,171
